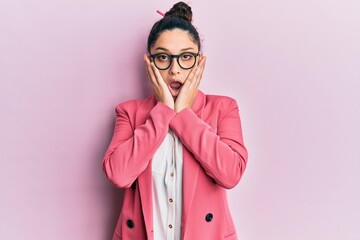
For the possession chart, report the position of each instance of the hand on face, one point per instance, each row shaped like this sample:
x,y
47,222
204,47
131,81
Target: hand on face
x,y
161,90
188,91
189,88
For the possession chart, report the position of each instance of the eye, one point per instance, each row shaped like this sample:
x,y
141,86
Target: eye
x,y
186,56
162,57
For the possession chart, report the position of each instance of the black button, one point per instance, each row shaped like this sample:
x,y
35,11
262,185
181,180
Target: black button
x,y
133,186
130,223
209,217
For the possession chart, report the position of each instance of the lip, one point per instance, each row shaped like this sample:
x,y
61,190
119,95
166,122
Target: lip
x,y
175,80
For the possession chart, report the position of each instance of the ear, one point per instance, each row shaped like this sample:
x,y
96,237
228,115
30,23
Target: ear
x,y
149,57
201,55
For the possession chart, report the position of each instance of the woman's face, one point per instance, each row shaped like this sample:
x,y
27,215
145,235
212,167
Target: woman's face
x,y
175,42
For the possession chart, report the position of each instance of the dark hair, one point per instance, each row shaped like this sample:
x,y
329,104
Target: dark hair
x,y
179,16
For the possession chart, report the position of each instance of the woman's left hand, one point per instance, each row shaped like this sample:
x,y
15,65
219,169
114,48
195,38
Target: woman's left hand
x,y
188,91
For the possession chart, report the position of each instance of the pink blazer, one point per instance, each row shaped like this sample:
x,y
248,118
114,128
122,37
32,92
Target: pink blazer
x,y
214,160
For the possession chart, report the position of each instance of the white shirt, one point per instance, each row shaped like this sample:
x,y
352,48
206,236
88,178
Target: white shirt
x,y
167,166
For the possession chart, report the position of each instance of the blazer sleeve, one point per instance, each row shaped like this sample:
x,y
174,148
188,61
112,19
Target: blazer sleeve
x,y
223,154
130,150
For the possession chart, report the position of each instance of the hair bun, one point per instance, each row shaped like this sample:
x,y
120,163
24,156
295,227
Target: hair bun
x,y
181,10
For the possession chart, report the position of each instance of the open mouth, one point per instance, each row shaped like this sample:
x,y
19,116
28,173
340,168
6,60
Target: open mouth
x,y
175,87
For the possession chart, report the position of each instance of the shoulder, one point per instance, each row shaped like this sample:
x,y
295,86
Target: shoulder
x,y
132,105
220,107
218,98
220,101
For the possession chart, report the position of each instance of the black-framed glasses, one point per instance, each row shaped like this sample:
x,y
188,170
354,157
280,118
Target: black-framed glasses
x,y
186,60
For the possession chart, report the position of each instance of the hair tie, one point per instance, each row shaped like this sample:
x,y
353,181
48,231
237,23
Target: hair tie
x,y
161,13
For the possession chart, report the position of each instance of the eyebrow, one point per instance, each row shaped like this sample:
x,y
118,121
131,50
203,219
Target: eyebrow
x,y
184,49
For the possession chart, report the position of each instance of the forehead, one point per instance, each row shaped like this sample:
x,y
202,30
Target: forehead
x,y
175,40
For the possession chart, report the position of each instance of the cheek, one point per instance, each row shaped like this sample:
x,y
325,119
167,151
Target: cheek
x,y
164,76
186,74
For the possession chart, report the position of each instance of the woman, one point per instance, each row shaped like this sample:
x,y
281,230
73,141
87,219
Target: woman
x,y
177,151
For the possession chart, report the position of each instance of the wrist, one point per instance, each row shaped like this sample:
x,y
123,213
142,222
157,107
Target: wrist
x,y
168,104
180,108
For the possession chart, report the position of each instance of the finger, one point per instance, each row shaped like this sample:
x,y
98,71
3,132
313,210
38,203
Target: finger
x,y
150,72
191,75
199,73
158,76
202,65
199,58
147,70
200,77
203,68
196,75
201,62
193,71
146,65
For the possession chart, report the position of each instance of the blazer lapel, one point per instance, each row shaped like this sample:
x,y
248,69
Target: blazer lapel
x,y
145,179
191,167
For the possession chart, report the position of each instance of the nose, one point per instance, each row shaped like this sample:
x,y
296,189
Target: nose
x,y
174,67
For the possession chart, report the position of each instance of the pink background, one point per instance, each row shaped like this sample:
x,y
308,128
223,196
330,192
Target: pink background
x,y
293,66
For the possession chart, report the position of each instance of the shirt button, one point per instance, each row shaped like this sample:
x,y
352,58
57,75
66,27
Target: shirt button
x,y
170,226
130,223
209,217
171,174
171,200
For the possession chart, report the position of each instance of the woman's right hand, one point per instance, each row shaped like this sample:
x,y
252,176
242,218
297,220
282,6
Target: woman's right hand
x,y
161,90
